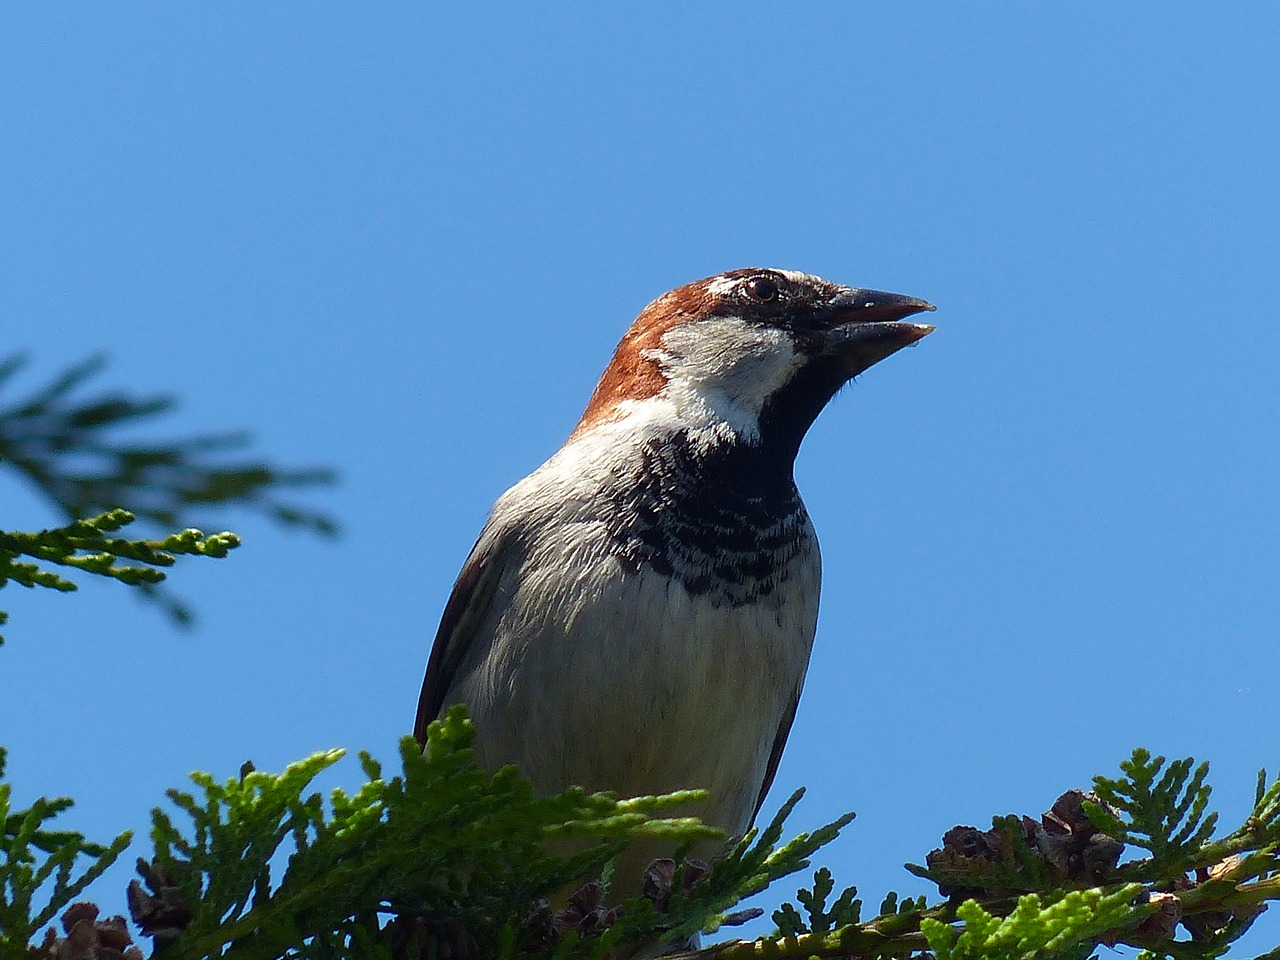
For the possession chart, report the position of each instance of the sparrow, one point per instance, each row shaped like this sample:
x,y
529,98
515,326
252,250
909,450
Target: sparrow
x,y
638,613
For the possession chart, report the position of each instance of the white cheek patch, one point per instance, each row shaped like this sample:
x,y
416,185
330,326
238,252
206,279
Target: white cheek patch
x,y
720,372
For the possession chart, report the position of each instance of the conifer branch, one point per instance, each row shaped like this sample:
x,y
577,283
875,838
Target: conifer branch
x,y
84,545
448,859
39,864
63,441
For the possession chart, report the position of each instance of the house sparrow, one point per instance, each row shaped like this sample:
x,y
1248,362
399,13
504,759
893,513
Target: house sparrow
x,y
638,612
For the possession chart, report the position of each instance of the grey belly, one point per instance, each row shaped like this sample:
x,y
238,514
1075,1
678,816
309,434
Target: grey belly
x,y
677,693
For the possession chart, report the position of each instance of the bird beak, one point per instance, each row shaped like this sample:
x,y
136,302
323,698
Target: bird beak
x,y
865,326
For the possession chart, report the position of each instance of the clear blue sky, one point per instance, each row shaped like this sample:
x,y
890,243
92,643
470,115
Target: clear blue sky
x,y
403,241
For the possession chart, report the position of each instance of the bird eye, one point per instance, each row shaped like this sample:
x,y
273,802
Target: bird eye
x,y
762,289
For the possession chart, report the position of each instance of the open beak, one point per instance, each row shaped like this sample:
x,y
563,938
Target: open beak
x,y
865,326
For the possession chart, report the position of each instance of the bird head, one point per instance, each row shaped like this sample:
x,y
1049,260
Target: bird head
x,y
749,356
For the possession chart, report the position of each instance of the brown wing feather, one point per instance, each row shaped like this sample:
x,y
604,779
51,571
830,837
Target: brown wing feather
x,y
775,757
466,608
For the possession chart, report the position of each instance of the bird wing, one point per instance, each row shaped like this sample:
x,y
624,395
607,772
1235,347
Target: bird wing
x,y
467,608
775,757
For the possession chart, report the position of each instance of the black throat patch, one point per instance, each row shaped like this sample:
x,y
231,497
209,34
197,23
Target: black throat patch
x,y
728,524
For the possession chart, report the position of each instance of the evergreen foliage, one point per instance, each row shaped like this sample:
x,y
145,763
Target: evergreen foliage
x,y
444,850
446,859
444,840
1069,926
61,440
84,545
62,443
846,910
1166,813
38,866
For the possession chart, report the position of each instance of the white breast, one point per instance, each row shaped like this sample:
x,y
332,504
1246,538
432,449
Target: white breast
x,y
587,672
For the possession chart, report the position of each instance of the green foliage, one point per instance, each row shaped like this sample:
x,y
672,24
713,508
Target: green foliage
x,y
745,869
1262,829
84,545
1052,889
63,444
448,859
443,852
891,906
1066,928
846,910
443,842
38,867
1166,813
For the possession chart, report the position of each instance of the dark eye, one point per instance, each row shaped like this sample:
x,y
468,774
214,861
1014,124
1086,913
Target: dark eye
x,y
762,289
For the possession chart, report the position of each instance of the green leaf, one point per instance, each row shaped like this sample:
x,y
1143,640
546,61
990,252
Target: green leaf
x,y
42,870
1165,808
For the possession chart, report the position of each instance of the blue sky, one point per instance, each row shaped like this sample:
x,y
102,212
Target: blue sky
x,y
403,241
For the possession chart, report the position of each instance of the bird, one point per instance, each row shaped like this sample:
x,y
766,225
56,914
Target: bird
x,y
638,612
